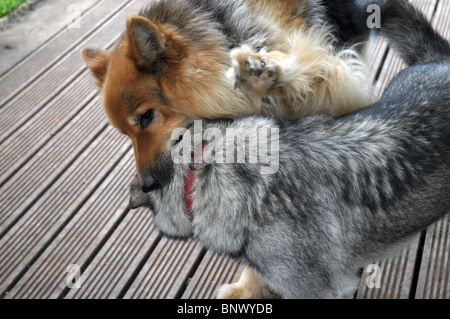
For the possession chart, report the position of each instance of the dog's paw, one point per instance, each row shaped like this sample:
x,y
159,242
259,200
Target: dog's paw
x,y
255,73
238,291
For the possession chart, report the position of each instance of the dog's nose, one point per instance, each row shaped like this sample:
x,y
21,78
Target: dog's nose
x,y
149,183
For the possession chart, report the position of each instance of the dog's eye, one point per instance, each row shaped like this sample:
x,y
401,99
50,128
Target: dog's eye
x,y
147,118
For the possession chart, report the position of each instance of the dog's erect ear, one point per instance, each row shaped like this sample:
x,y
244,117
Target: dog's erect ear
x,y
147,43
97,61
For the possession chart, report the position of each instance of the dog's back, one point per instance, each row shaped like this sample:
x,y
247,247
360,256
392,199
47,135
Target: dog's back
x,y
414,187
350,190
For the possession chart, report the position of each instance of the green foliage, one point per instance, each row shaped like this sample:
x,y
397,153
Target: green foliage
x,y
8,6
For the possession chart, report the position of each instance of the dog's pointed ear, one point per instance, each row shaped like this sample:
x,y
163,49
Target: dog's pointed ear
x,y
147,43
97,61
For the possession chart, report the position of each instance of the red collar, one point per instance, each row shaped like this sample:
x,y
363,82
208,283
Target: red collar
x,y
189,189
189,183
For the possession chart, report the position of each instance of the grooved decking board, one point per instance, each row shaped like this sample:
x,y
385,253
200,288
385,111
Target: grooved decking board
x,y
376,52
55,115
80,238
55,208
166,272
441,21
30,103
40,172
213,272
34,65
392,66
396,276
109,273
434,276
34,134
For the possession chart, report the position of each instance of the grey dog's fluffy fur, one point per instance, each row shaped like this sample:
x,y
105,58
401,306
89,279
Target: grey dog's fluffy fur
x,y
348,189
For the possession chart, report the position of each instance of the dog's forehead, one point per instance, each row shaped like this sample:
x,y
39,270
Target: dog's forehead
x,y
130,100
125,86
117,114
129,86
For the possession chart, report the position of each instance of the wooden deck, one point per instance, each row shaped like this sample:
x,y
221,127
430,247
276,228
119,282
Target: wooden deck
x,y
64,187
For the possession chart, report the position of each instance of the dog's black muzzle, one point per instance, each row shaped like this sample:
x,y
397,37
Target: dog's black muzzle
x,y
158,176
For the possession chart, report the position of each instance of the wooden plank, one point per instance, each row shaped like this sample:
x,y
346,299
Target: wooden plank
x,y
24,107
392,66
212,273
42,222
434,276
109,273
80,238
32,67
167,270
376,53
396,276
33,135
441,21
38,174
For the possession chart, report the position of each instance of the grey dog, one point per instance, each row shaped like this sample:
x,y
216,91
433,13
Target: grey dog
x,y
347,190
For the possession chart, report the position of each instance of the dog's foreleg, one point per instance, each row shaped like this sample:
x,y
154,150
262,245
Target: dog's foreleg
x,y
310,79
318,80
256,74
250,286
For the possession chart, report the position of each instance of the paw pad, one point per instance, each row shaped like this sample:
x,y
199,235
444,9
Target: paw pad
x,y
253,72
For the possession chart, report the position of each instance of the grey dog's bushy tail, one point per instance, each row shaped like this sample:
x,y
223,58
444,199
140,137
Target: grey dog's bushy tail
x,y
410,33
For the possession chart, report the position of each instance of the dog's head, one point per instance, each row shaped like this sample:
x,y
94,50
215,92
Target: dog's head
x,y
156,80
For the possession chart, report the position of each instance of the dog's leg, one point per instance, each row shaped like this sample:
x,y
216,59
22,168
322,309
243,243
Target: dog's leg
x,y
256,74
309,80
250,286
